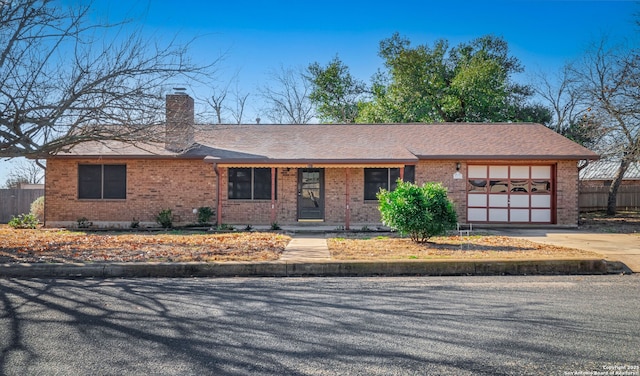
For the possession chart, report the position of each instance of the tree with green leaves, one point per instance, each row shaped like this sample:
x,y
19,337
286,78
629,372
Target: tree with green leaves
x,y
419,211
471,82
335,93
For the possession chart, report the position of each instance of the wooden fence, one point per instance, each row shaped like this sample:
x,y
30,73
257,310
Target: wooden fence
x,y
595,198
17,201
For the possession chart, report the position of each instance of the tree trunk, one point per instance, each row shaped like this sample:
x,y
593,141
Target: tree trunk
x,y
615,184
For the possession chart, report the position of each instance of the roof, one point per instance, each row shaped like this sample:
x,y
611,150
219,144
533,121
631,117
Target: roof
x,y
365,143
607,169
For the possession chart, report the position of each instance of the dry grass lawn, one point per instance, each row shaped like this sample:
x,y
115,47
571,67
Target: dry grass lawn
x,y
449,247
51,245
624,222
44,245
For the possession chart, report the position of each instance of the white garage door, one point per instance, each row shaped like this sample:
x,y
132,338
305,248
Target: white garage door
x,y
509,194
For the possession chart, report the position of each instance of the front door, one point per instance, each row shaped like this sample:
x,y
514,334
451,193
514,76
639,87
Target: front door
x,y
310,194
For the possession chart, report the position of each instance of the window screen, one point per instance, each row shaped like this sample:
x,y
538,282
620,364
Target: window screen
x,y
385,178
250,183
102,181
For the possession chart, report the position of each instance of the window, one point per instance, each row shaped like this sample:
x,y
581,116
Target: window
x,y
250,183
102,182
384,178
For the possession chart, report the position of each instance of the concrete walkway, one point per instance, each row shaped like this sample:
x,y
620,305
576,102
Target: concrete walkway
x,y
305,248
615,247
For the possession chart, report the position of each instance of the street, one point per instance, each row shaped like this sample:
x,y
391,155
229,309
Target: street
x,y
522,325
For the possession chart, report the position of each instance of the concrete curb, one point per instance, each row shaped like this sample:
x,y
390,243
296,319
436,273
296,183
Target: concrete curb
x,y
315,269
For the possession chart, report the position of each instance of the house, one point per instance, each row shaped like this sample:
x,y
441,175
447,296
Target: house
x,y
329,174
602,172
595,180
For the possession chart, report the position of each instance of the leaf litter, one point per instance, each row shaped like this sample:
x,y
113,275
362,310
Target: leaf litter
x,y
61,246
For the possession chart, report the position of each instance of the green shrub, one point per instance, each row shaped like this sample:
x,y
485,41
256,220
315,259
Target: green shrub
x,y
165,218
37,208
275,226
83,222
23,221
419,211
225,227
204,214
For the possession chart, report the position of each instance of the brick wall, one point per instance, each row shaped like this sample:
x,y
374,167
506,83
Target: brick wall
x,y
152,185
182,185
567,193
443,171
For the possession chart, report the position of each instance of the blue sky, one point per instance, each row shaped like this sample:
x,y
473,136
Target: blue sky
x,y
258,36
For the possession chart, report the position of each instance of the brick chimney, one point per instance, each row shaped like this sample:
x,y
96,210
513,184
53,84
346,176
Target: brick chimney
x,y
180,121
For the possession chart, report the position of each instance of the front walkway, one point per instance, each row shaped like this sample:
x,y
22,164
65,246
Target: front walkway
x,y
306,247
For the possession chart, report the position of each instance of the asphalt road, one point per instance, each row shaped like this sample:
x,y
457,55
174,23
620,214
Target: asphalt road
x,y
565,325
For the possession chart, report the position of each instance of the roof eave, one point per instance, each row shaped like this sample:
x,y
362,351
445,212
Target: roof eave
x,y
510,157
309,162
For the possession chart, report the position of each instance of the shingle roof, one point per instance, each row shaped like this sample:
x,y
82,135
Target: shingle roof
x,y
360,142
607,169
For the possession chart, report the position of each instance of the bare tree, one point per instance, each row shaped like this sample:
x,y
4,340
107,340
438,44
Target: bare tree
x,y
287,99
571,114
65,80
216,101
610,79
25,172
240,104
219,101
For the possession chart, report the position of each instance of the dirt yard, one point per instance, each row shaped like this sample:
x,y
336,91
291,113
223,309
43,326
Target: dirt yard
x,y
624,222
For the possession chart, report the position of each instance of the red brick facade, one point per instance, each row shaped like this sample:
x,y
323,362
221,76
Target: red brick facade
x,y
152,185
183,185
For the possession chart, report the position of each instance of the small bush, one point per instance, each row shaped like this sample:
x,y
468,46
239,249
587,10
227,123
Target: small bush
x,y
204,214
165,218
419,211
24,221
83,222
225,227
134,223
275,226
37,208
248,228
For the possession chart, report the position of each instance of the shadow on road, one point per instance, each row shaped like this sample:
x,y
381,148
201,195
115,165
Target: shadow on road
x,y
299,326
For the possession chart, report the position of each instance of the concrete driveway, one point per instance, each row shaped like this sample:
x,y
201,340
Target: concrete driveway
x,y
615,247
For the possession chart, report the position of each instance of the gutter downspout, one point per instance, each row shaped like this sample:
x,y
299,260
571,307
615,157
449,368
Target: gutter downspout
x,y
347,214
273,195
218,195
